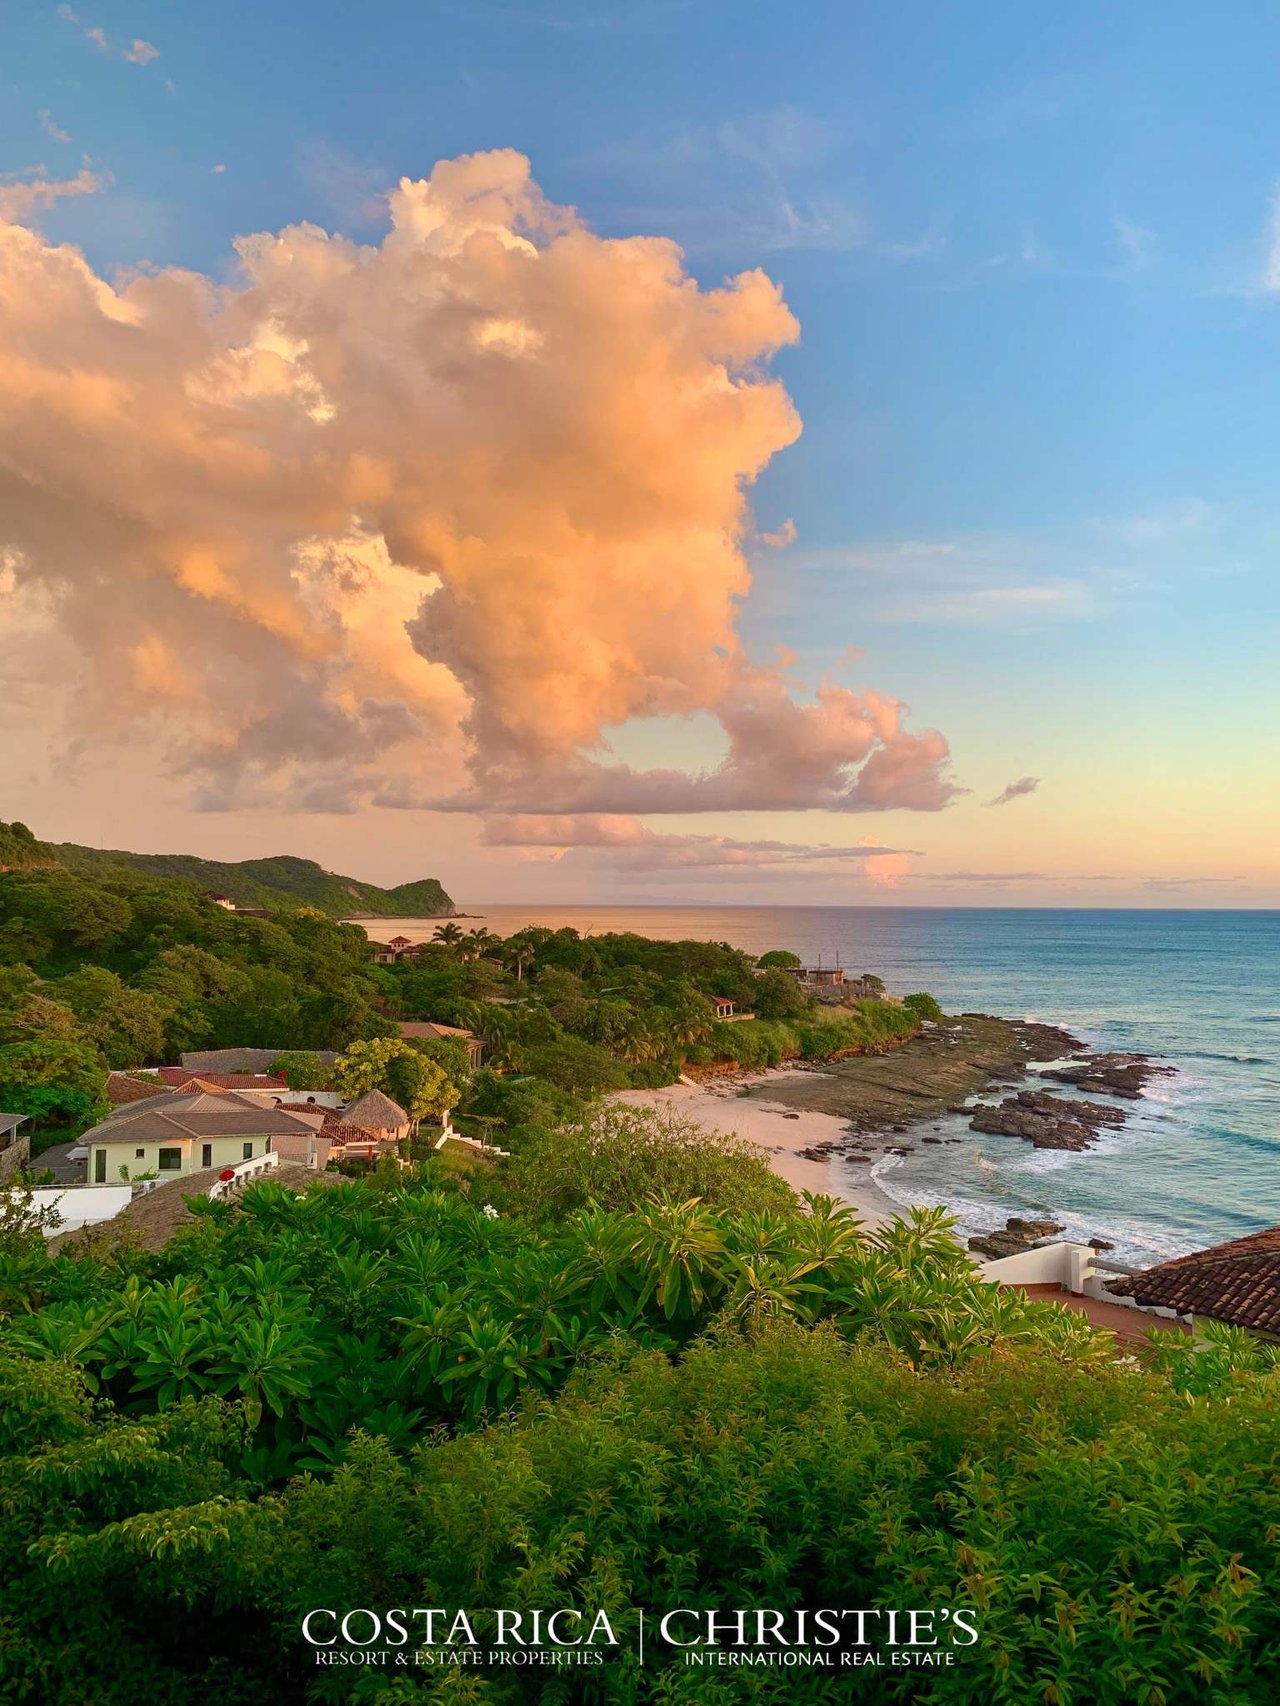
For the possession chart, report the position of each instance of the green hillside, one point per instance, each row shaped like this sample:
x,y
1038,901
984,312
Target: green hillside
x,y
20,851
278,884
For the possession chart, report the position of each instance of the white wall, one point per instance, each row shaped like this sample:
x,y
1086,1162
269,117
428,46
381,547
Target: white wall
x,y
227,1151
1068,1265
79,1205
323,1098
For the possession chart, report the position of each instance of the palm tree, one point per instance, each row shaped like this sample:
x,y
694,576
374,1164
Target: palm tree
x,y
475,944
448,935
519,954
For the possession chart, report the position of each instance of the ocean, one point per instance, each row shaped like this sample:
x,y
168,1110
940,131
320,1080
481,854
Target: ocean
x,y
1198,1160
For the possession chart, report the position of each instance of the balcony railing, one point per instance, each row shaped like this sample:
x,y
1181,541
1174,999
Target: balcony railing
x,y
240,1172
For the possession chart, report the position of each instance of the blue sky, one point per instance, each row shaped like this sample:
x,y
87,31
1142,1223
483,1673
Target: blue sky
x,y
1029,250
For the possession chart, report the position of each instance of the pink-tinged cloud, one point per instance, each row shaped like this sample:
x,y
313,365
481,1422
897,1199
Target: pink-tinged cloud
x,y
1016,790
26,196
136,52
420,521
632,846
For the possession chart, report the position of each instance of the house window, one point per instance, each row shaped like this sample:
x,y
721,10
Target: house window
x,y
206,1155
99,1166
170,1161
140,1154
248,1150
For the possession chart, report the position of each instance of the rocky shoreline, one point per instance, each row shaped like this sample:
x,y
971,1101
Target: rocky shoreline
x,y
1047,1121
1059,1122
953,1068
1018,1234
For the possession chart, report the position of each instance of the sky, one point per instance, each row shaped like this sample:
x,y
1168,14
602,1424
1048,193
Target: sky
x,y
708,450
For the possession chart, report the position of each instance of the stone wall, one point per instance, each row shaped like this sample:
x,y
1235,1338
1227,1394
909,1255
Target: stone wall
x,y
14,1155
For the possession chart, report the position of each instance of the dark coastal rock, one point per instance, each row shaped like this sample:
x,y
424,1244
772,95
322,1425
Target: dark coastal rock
x,y
932,1140
1049,1122
1036,1038
1124,1075
1101,1244
1015,1236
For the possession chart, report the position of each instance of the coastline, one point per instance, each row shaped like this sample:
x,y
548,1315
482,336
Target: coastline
x,y
821,1125
779,1132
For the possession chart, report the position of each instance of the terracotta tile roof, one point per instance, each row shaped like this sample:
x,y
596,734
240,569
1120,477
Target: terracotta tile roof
x,y
425,1028
177,1076
1238,1283
121,1088
339,1132
178,1114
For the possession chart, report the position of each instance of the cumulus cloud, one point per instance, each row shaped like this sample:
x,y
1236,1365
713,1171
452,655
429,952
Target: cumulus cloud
x,y
420,521
1016,790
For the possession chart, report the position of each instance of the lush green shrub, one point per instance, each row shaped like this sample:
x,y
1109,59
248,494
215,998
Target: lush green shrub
x,y
618,1157
293,1404
653,1074
571,1064
522,1101
923,1006
302,1070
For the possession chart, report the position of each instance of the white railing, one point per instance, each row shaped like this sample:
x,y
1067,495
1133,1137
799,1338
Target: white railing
x,y
240,1172
1076,1268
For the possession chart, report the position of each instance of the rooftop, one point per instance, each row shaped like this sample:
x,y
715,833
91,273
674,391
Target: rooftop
x,y
245,1059
1237,1282
122,1088
178,1114
176,1076
375,1112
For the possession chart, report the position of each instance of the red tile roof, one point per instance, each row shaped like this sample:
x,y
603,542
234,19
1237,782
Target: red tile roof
x,y
340,1134
177,1077
1237,1282
121,1088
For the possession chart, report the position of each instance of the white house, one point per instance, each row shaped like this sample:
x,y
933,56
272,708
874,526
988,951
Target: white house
x,y
179,1132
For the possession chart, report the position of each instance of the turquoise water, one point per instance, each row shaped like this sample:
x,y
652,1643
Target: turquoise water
x,y
1198,1160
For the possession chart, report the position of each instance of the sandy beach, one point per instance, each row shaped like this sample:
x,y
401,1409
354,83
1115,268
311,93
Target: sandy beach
x,y
780,1132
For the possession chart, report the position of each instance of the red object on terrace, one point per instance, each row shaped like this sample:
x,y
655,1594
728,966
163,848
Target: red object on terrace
x,y
227,1173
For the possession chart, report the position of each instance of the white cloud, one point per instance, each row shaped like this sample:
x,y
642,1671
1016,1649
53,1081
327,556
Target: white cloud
x,y
51,127
443,511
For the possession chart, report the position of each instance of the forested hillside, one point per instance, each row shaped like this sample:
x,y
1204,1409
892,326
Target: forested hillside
x,y
20,851
279,884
